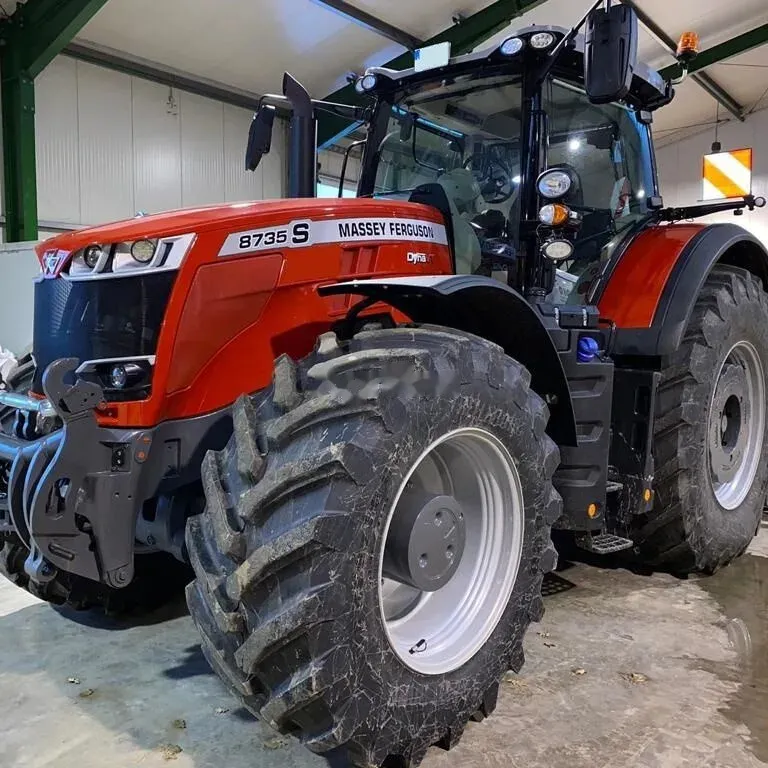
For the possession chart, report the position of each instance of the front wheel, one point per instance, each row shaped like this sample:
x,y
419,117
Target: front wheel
x,y
711,432
375,540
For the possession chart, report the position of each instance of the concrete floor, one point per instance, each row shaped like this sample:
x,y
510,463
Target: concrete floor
x,y
625,670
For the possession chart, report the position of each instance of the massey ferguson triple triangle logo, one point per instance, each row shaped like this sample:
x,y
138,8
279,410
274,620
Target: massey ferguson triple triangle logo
x,y
52,261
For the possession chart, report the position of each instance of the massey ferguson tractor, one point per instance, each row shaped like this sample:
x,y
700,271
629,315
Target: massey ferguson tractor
x,y
359,420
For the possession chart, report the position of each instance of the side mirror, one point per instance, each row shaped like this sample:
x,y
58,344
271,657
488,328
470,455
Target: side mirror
x,y
610,54
259,136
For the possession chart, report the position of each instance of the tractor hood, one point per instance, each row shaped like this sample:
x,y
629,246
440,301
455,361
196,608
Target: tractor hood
x,y
232,217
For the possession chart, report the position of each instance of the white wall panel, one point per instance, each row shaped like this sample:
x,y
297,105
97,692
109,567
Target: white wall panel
x,y
240,184
202,150
19,268
156,147
680,168
109,145
331,164
106,144
57,142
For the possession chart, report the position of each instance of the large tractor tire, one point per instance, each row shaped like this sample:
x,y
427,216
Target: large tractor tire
x,y
711,432
374,541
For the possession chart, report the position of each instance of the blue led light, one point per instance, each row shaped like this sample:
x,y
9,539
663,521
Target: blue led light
x,y
588,349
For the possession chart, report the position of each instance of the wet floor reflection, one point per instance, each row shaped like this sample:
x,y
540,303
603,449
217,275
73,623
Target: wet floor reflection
x,y
741,589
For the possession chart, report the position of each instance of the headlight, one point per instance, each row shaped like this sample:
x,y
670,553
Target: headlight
x,y
554,184
542,40
121,378
366,83
512,46
557,250
129,374
144,250
92,255
129,258
118,377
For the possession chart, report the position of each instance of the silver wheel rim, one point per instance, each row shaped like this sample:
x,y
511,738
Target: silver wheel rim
x,y
437,632
736,425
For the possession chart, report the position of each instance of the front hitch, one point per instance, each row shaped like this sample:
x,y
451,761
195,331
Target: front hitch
x,y
65,483
71,496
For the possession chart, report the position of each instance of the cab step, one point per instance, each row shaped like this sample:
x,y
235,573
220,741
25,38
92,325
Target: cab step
x,y
603,543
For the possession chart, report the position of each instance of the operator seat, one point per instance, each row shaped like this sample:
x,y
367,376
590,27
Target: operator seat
x,y
464,198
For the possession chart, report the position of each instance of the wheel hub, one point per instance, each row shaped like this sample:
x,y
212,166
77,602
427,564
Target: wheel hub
x,y
426,541
729,430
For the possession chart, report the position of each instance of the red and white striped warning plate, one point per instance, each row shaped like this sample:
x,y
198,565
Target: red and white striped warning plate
x,y
727,174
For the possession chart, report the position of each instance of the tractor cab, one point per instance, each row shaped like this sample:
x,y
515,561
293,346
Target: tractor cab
x,y
456,143
538,177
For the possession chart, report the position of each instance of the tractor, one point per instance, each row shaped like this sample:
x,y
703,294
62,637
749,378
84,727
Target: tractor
x,y
360,421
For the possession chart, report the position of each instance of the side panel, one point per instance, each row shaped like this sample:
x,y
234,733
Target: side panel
x,y
653,289
582,476
632,295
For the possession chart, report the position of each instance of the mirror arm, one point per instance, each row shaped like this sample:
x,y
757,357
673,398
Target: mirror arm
x,y
346,111
344,164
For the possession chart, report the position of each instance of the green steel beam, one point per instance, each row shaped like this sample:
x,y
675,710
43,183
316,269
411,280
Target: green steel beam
x,y
29,40
18,122
727,50
464,36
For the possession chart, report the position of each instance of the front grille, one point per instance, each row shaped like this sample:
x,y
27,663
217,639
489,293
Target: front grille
x,y
98,319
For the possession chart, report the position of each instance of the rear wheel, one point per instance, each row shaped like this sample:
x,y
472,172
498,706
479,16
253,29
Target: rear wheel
x,y
711,432
375,540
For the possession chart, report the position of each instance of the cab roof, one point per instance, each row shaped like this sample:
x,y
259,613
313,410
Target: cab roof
x,y
649,90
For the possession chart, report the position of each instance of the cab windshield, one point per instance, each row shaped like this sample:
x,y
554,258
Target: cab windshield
x,y
448,127
461,134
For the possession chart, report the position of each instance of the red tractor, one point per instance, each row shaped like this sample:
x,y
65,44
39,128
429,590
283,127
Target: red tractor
x,y
394,399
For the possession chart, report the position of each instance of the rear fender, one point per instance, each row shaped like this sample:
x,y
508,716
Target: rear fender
x,y
651,295
488,309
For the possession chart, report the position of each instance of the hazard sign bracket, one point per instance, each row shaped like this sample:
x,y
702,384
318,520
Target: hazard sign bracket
x,y
681,213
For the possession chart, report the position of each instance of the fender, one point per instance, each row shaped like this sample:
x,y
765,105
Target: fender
x,y
491,310
652,291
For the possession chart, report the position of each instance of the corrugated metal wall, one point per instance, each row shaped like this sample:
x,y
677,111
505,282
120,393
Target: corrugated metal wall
x,y
109,145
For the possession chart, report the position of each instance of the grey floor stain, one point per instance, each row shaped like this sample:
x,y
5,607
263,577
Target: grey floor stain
x,y
741,590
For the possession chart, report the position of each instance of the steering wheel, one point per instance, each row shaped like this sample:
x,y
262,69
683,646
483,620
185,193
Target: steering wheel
x,y
494,178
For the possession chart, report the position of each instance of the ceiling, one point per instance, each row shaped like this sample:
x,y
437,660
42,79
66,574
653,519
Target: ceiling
x,y
246,45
